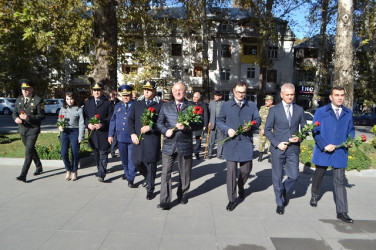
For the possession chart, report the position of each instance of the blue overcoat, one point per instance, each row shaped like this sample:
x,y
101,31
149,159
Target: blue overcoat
x,y
240,147
332,131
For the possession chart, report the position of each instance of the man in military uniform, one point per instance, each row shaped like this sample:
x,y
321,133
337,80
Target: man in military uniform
x,y
264,111
98,105
119,124
28,114
146,153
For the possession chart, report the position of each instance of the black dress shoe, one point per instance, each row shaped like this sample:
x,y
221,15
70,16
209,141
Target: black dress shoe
x,y
164,206
241,193
149,196
197,156
231,206
183,200
20,178
38,171
313,202
144,183
131,184
124,177
280,209
344,217
209,157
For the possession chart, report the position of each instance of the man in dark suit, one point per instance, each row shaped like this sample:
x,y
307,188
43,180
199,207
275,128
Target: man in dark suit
x,y
28,114
239,148
119,125
177,143
215,134
98,104
281,125
146,153
114,100
205,119
336,124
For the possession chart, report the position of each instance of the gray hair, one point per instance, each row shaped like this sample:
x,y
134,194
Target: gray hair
x,y
181,84
287,86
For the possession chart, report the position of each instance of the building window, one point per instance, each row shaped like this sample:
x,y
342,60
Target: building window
x,y
251,72
226,50
176,73
225,74
249,50
197,71
273,52
177,49
306,76
127,69
271,76
227,28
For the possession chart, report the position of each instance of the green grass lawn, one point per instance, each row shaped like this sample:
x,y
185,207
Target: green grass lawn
x,y
16,149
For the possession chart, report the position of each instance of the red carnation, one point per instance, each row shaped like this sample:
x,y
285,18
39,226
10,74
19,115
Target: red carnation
x,y
61,116
22,112
364,138
151,109
198,110
253,123
317,123
97,116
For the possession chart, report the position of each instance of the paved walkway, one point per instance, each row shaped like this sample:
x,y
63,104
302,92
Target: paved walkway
x,y
51,213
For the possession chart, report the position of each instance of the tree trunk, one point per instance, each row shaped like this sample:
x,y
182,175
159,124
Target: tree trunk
x,y
343,67
205,58
105,43
321,55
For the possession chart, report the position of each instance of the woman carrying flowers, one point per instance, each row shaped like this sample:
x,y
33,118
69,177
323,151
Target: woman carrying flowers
x,y
72,129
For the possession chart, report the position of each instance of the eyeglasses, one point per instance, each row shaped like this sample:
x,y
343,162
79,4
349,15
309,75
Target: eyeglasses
x,y
240,93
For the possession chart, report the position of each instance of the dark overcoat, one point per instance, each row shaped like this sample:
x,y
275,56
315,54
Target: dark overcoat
x,y
98,138
332,131
240,147
149,148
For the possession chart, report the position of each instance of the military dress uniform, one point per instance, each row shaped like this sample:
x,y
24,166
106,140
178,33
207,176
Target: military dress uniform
x,y
264,111
119,124
98,139
30,128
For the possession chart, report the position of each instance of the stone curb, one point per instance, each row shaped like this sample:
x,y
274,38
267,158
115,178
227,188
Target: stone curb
x,y
362,173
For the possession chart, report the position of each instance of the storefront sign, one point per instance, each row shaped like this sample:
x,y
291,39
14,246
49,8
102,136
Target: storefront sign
x,y
306,90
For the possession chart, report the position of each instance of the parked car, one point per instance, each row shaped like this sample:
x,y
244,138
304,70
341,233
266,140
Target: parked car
x,y
367,119
53,106
308,116
7,105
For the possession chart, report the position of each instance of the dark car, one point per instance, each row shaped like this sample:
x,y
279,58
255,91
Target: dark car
x,y
368,119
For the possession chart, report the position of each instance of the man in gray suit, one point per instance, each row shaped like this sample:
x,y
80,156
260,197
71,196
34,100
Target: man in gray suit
x,y
281,125
215,134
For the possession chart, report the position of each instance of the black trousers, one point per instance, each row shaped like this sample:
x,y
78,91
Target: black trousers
x,y
149,171
30,153
245,170
101,159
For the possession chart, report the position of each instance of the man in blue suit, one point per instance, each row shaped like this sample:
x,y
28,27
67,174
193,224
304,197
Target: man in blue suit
x,y
336,124
119,124
281,125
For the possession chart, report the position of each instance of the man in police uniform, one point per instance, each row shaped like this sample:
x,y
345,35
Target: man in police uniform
x,y
28,114
264,111
98,104
119,124
145,153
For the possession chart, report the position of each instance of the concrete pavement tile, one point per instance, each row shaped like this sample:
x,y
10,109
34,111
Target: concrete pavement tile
x,y
183,242
189,225
289,228
100,205
140,225
356,244
117,240
74,240
24,238
337,229
300,243
234,242
194,207
10,217
91,222
239,227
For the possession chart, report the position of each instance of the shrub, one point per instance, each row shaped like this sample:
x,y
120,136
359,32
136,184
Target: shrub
x,y
52,151
358,160
306,151
4,139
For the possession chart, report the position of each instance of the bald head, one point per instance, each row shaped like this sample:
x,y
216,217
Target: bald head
x,y
178,91
196,97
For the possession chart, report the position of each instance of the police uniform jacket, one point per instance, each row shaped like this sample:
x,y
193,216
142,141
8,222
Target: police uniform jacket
x,y
34,109
332,131
181,140
119,122
240,147
149,148
98,138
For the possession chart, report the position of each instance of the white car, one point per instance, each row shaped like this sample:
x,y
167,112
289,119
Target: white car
x,y
53,106
7,105
308,116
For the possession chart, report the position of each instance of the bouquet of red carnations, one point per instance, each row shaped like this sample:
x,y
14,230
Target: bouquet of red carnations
x,y
94,120
147,118
192,114
241,129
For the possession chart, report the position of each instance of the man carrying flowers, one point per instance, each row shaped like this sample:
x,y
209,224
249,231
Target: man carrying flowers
x,y
145,136
238,118
336,124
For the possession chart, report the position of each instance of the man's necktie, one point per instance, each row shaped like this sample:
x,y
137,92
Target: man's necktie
x,y
96,102
178,106
288,114
240,104
26,100
337,114
148,103
126,107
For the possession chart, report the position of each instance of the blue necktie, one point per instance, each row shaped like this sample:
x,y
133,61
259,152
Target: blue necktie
x,y
289,114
